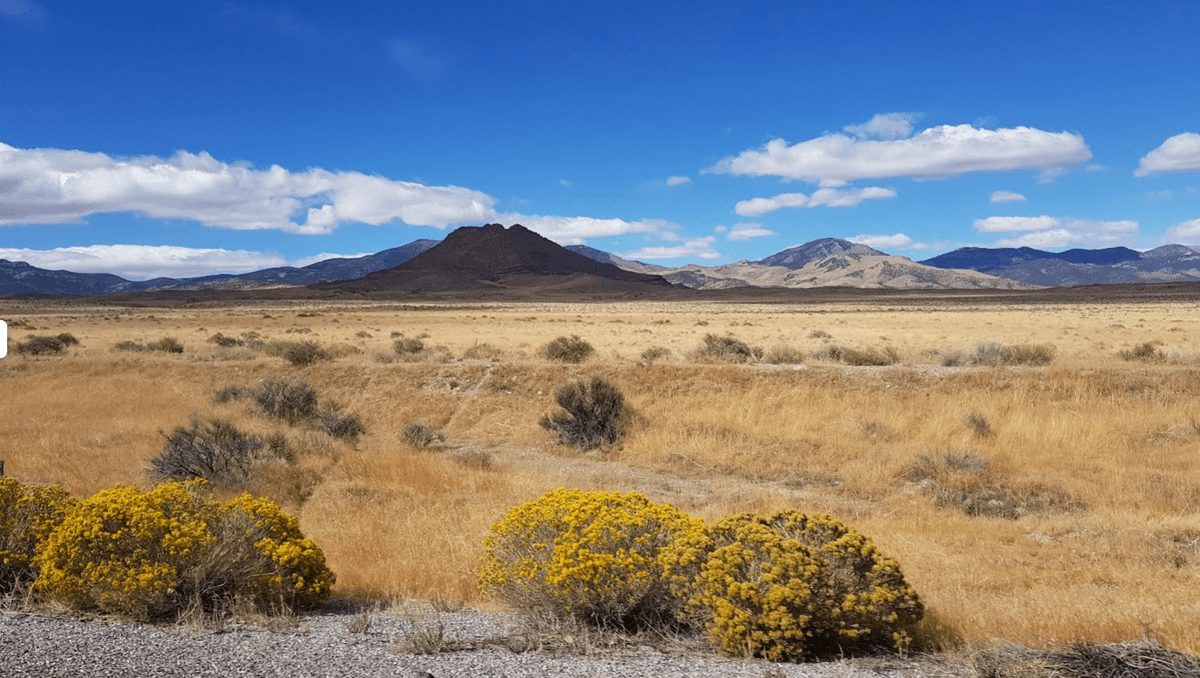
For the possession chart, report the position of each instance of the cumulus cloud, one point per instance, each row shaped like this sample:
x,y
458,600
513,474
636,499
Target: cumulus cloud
x,y
142,262
745,231
576,230
692,247
678,181
885,126
1180,153
47,186
1007,196
934,153
1046,231
829,197
895,241
1187,233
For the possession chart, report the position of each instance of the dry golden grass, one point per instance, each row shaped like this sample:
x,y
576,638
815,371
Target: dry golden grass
x,y
1109,446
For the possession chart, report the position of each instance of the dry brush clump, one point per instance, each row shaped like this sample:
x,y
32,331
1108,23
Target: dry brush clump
x,y
868,357
570,349
727,349
593,414
212,449
965,481
37,345
994,353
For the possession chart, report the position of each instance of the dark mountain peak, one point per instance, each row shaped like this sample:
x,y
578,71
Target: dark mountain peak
x,y
473,257
816,250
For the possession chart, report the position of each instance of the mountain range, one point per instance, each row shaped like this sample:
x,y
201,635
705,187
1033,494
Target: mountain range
x,y
1169,263
494,257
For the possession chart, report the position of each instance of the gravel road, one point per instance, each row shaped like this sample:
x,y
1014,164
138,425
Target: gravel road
x,y
323,645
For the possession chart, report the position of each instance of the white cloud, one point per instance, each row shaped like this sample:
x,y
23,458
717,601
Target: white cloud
x,y
896,241
47,186
1007,196
759,206
141,262
678,181
884,126
835,197
576,230
934,153
745,231
829,197
1160,195
1180,153
696,247
1187,233
1008,224
1046,231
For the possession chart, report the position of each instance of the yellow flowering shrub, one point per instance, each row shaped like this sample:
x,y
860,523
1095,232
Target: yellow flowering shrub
x,y
588,555
152,554
123,550
27,515
295,573
790,585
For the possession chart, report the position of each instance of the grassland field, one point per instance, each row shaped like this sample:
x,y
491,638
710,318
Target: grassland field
x,y
1037,504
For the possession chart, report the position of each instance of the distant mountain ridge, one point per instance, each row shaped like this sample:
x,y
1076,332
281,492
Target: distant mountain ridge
x,y
1169,263
18,277
818,263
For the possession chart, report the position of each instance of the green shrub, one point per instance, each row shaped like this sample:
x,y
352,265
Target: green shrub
x,y
588,556
151,555
28,513
791,585
1147,352
35,344
727,348
293,401
570,349
593,414
212,449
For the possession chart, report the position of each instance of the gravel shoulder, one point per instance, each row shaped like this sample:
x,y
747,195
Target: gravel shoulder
x,y
34,644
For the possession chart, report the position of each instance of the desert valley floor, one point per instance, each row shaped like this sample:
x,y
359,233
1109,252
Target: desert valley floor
x,y
1039,503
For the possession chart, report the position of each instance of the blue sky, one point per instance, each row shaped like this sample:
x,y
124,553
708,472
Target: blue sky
x,y
181,139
